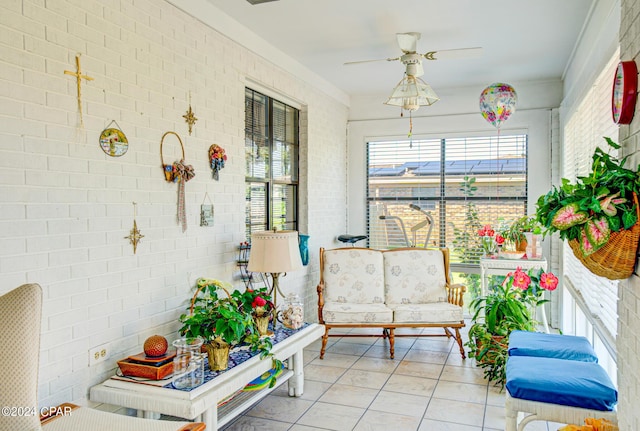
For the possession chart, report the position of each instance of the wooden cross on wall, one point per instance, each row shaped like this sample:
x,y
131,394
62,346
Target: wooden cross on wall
x,y
79,77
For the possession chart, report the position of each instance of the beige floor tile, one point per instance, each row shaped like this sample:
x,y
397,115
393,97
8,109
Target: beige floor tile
x,y
348,395
495,395
322,373
402,404
410,385
430,425
455,411
246,423
380,421
419,369
426,356
346,349
433,344
333,359
455,359
376,364
364,379
463,374
280,408
494,418
303,428
399,343
312,390
383,352
332,416
466,392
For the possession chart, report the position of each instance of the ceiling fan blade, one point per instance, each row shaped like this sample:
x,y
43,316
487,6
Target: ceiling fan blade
x,y
408,41
349,63
448,54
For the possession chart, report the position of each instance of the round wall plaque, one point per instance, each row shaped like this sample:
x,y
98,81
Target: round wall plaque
x,y
624,92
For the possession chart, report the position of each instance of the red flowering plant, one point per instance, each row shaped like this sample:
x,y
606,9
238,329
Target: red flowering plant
x,y
256,302
489,240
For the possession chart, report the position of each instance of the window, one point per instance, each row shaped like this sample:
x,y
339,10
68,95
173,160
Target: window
x,y
583,132
271,156
462,183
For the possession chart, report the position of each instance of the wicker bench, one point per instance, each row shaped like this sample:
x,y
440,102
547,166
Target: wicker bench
x,y
555,378
391,289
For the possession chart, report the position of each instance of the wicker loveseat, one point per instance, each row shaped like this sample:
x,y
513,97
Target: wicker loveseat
x,y
391,289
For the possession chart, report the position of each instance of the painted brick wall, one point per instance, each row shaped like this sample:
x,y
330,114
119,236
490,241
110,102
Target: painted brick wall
x,y
66,206
628,342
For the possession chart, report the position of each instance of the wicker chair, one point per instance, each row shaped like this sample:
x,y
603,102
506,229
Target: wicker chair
x,y
20,316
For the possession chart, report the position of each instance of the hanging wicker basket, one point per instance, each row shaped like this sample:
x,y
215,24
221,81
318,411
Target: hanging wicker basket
x,y
616,259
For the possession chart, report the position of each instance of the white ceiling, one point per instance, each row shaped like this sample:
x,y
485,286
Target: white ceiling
x,y
523,40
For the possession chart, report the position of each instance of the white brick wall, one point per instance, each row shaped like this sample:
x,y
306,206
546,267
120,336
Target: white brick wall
x,y
66,206
628,344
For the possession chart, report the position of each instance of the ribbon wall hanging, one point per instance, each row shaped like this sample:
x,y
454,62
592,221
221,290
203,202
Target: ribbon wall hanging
x,y
217,157
178,172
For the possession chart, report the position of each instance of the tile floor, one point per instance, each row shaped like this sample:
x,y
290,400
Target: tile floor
x,y
427,387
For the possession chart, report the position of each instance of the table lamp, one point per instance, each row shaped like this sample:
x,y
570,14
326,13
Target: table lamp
x,y
274,252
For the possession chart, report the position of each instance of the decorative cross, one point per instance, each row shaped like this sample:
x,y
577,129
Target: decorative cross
x,y
189,117
79,77
134,236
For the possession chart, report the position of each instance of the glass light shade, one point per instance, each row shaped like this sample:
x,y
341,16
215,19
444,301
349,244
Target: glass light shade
x,y
274,252
411,93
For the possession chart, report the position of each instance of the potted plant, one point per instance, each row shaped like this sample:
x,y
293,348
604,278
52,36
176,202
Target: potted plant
x,y
518,234
257,303
507,307
596,209
220,321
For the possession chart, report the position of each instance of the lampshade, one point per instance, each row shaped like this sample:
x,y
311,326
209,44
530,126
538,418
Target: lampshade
x,y
274,252
411,93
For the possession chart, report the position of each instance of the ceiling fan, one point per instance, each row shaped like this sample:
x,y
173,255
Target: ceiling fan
x,y
413,60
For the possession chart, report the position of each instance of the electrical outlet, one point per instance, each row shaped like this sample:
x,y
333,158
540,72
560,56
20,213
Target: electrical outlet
x,y
99,354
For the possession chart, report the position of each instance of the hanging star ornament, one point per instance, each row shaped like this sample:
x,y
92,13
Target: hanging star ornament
x,y
190,118
134,236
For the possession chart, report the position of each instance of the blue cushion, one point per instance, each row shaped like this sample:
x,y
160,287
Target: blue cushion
x,y
559,381
523,343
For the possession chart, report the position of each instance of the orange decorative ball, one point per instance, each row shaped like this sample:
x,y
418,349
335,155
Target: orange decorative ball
x,y
155,346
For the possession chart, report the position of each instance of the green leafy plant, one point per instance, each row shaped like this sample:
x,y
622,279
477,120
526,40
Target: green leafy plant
x,y
222,318
215,318
595,205
514,232
466,244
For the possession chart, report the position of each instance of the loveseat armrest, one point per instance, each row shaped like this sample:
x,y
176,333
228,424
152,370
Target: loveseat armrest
x,y
320,289
455,293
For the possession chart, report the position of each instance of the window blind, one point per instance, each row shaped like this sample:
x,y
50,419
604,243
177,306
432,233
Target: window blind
x,y
462,183
583,132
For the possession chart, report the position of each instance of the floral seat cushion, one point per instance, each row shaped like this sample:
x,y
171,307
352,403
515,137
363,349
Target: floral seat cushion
x,y
414,276
437,312
353,276
339,312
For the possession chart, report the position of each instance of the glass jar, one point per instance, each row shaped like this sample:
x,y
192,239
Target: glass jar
x,y
291,314
188,365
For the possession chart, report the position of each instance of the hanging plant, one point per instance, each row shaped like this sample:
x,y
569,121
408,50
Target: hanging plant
x,y
595,210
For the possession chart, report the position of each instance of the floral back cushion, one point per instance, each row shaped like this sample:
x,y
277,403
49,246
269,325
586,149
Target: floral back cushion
x,y
353,275
414,276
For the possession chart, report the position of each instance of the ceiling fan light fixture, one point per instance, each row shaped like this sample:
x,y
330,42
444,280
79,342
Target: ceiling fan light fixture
x,y
411,93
